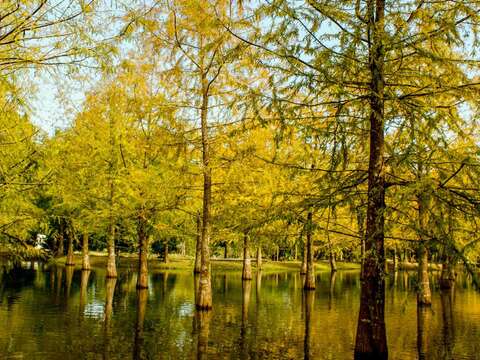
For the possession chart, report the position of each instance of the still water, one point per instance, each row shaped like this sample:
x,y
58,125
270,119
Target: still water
x,y
64,313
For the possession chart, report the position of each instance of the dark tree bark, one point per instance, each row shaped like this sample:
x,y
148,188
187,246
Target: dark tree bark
x,y
371,338
85,252
310,276
247,264
142,279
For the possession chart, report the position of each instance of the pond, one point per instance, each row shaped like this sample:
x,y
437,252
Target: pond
x,y
64,313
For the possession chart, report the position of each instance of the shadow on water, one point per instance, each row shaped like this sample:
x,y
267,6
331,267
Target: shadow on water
x,y
61,312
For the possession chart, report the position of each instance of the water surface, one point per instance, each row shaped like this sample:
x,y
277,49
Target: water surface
x,y
64,313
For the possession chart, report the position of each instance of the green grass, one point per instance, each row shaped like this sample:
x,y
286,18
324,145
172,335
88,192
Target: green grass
x,y
177,262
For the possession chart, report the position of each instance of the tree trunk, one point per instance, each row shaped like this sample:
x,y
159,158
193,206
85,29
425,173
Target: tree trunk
x,y
225,250
247,264
85,254
371,338
424,296
165,252
259,258
331,254
111,266
70,259
205,288
142,279
310,276
447,278
60,240
198,249
395,260
303,267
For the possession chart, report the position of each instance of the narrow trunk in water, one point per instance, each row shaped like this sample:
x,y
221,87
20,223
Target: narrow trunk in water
x,y
310,276
111,266
60,239
303,267
205,289
165,252
259,258
198,249
70,259
85,252
247,265
424,295
371,338
142,279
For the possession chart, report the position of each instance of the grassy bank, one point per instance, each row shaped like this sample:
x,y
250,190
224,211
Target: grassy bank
x,y
177,262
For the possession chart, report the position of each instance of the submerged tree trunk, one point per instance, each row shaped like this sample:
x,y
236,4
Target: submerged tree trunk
x,y
85,252
83,290
424,295
142,279
138,347
423,334
371,338
198,249
247,264
309,299
246,291
259,258
205,288
202,319
70,259
310,276
447,278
